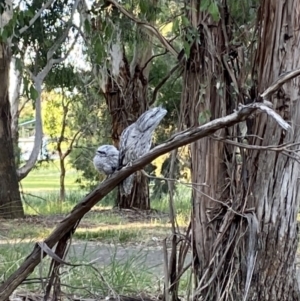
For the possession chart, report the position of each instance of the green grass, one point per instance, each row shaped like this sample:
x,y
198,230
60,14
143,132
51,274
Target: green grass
x,y
102,224
119,276
46,177
47,203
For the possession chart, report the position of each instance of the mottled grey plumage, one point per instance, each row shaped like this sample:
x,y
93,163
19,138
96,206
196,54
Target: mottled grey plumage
x,y
136,140
106,159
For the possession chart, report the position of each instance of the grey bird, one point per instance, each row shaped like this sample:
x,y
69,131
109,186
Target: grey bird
x,y
106,159
136,141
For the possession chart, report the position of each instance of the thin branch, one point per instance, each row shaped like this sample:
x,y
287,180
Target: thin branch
x,y
162,82
188,184
146,25
23,105
59,41
153,57
283,78
36,16
276,148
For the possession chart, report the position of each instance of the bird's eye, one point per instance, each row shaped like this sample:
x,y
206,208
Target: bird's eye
x,y
100,152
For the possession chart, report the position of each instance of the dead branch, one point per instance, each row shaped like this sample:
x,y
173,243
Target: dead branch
x,y
66,227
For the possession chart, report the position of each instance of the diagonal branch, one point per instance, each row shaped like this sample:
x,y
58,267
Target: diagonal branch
x,y
283,78
68,225
162,82
62,38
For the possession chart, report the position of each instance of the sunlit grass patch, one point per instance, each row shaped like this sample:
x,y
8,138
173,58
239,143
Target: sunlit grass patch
x,y
46,177
29,232
47,203
134,232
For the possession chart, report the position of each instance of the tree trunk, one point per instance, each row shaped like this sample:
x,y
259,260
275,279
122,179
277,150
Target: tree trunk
x,y
126,98
62,191
244,217
274,178
10,200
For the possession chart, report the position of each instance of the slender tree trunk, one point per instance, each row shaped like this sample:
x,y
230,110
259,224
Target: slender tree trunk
x,y
10,200
244,217
62,190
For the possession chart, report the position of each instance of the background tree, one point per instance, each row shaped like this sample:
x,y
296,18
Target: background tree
x,y
10,200
43,55
124,77
19,41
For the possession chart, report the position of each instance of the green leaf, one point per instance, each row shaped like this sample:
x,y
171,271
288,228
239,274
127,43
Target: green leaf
x,y
214,11
204,117
175,25
187,48
87,26
4,34
185,21
204,5
18,64
33,93
144,6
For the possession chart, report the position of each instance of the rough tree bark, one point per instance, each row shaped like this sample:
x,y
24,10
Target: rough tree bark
x,y
244,248
274,180
125,91
10,200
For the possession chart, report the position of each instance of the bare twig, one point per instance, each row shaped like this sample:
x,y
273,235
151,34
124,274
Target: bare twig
x,y
162,82
151,58
188,184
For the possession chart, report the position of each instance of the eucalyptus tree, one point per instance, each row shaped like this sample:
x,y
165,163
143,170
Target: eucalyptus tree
x,y
245,217
35,33
122,53
245,197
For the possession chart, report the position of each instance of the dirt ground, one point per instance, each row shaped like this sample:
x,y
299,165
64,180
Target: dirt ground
x,y
148,252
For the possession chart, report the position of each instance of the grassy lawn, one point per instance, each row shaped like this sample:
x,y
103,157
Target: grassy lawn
x,y
104,225
46,177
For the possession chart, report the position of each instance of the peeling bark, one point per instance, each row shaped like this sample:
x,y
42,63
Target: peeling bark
x,y
274,179
246,252
126,96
